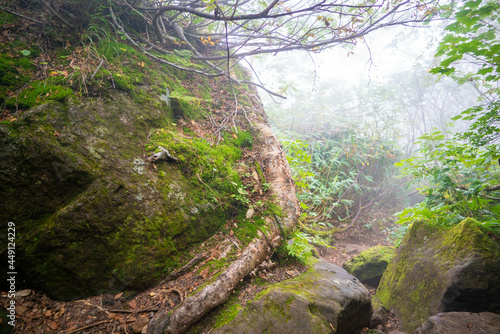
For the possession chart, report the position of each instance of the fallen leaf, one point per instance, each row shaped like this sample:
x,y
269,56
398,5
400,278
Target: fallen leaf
x,y
132,304
53,325
119,295
293,273
204,273
20,310
250,213
214,253
23,293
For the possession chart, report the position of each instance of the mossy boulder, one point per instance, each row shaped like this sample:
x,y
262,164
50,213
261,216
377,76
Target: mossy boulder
x,y
460,322
439,269
369,265
91,214
324,299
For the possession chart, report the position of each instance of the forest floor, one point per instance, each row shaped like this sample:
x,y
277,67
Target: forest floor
x,y
129,313
380,230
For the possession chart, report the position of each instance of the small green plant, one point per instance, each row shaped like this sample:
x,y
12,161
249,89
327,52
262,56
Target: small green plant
x,y
266,186
299,247
336,171
241,195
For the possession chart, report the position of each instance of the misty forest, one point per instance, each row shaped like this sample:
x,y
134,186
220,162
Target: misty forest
x,y
250,166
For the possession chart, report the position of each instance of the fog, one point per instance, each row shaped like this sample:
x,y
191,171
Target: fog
x,y
380,87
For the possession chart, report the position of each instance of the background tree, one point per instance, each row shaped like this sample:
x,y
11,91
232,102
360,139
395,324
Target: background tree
x,y
459,175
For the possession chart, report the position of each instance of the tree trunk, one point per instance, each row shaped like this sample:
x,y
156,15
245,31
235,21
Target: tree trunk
x,y
278,174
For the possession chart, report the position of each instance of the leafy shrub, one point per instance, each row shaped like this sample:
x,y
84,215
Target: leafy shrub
x,y
458,180
335,171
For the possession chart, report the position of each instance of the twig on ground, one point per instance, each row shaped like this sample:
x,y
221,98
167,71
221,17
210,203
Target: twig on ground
x,y
197,259
86,327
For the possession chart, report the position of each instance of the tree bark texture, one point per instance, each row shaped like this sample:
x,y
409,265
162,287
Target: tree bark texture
x,y
277,173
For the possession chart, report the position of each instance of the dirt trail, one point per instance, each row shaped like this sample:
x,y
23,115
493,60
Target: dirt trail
x,y
373,229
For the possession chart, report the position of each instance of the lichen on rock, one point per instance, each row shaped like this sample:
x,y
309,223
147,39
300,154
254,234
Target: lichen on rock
x,y
438,269
324,299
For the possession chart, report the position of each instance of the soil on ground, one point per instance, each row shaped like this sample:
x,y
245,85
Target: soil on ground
x,y
372,229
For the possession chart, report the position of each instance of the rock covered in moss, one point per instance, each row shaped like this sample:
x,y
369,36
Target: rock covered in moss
x,y
370,264
460,322
91,216
323,299
379,316
438,269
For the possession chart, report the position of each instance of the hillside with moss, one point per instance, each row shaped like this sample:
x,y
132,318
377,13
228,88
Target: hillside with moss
x,y
81,116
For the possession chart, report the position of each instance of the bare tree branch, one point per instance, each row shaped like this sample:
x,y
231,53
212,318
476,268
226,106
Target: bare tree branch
x,y
13,12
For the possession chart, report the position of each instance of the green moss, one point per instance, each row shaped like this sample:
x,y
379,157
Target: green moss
x,y
272,209
370,264
417,278
37,93
259,172
243,139
7,18
227,314
248,229
14,73
206,167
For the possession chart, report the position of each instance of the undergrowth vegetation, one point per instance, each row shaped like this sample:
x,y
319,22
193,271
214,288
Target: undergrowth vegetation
x,y
338,175
459,181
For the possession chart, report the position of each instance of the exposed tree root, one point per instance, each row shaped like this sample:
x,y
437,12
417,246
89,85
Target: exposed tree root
x,y
212,295
277,173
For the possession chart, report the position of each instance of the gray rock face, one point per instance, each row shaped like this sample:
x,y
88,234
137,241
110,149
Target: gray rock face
x,y
323,299
90,216
440,269
461,322
370,264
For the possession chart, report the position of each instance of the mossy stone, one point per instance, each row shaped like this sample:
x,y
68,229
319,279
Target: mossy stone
x,y
325,296
90,217
369,265
438,269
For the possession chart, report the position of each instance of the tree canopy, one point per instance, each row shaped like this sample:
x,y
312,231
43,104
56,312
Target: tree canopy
x,y
214,32
470,53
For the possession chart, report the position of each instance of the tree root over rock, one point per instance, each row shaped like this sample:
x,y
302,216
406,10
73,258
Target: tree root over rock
x,y
278,175
194,307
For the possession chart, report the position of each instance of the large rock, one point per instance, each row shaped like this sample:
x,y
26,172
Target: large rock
x,y
91,216
439,269
369,265
461,322
325,297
